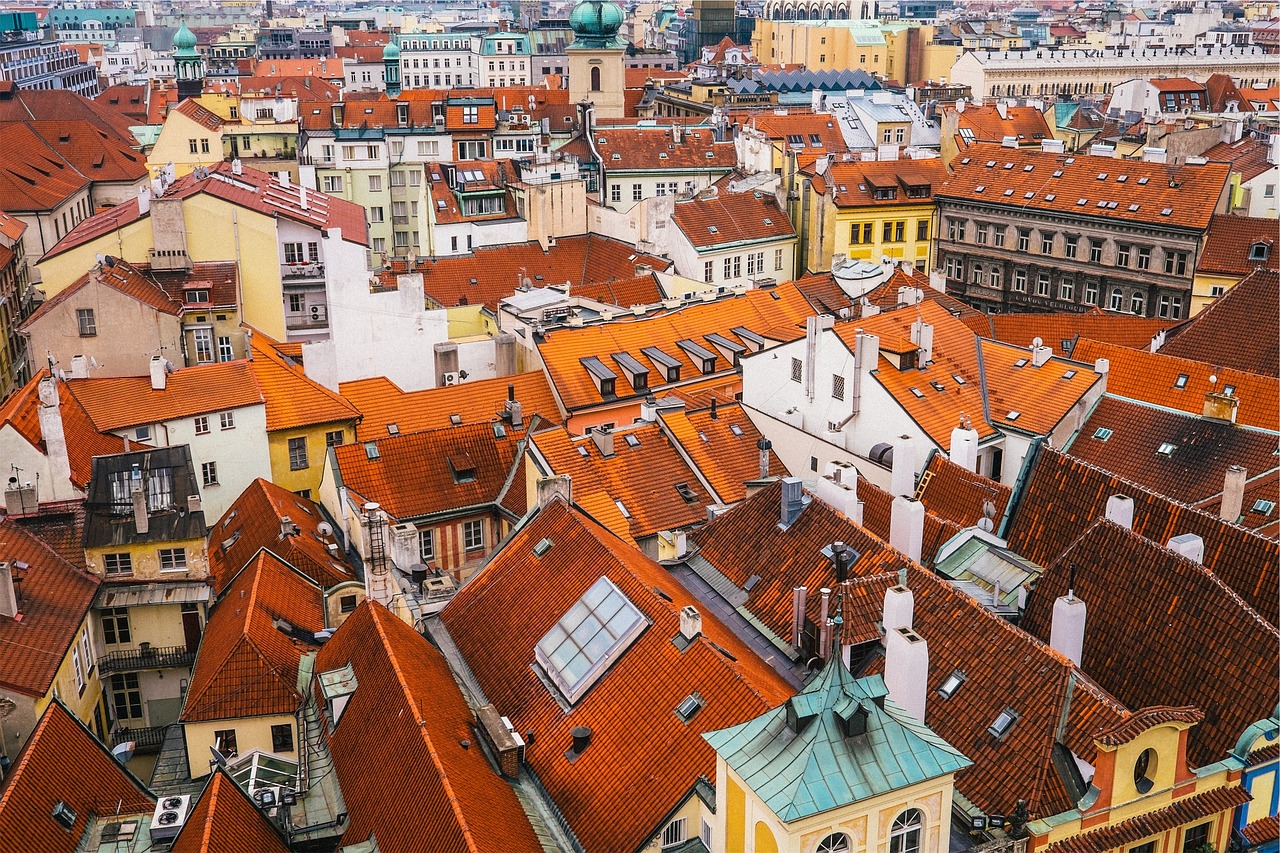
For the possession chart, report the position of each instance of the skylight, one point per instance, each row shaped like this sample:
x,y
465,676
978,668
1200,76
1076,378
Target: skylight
x,y
1022,362
1050,197
1013,416
622,508
1070,374
632,440
1181,381
582,644
1166,449
371,450
735,429
952,684
1263,506
393,429
1142,182
1102,433
958,378
1003,723
917,392
688,494
691,705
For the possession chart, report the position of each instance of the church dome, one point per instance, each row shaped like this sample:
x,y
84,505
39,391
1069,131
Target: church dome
x,y
391,51
184,39
596,22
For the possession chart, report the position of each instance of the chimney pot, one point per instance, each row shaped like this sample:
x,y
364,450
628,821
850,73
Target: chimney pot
x,y
899,607
690,622
581,739
964,447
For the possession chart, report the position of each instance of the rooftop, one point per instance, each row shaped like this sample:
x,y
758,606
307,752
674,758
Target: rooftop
x,y
21,411
649,149
720,442
731,219
1214,335
1238,245
114,403
224,818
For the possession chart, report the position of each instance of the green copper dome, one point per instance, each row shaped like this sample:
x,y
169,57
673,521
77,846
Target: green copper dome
x,y
596,23
184,41
391,51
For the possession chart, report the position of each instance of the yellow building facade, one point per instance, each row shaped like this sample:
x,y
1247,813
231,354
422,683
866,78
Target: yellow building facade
x,y
248,734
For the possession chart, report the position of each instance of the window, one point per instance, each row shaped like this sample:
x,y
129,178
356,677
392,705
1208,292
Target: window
x,y
997,276
1024,240
676,832
978,274
298,453
78,667
1144,258
173,559
593,633
427,545
1260,251
1067,290
595,78
1149,847
797,368
375,183
297,303
637,192
209,473
905,834
615,192
331,183
347,603
980,235
193,145
1042,284
1195,838
282,738
293,253
126,697
1046,244
88,326
204,146
473,535
955,268
1122,255
836,842
1071,246
115,625
334,438
886,232
117,564
428,148
86,651
227,420
899,231
1117,299
955,229
1137,303
1095,251
225,352
1175,263
777,259
997,237
922,230
708,271
1143,769
1091,293
204,345
224,741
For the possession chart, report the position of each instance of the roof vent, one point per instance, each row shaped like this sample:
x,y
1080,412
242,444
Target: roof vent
x,y
581,740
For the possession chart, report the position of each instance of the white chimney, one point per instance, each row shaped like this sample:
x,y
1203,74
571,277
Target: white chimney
x,y
144,199
1066,631
237,168
1009,142
1040,353
1188,545
8,595
1053,146
1102,366
284,180
140,518
899,606
49,413
824,623
159,372
690,622
903,478
1003,109
964,446
1155,155
799,599
603,438
1120,510
922,336
906,670
906,527
960,105
558,486
1233,494
79,367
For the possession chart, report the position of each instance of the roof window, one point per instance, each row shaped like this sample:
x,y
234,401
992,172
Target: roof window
x,y
1103,433
980,188
455,419
590,636
1028,195
64,815
1229,390
1167,211
916,392
1120,179
991,163
1262,506
1050,197
1003,723
622,508
937,386
462,467
393,429
691,705
735,429
959,379
1142,182
1102,176
1082,202
1181,381
952,684
1022,362
1013,416
1259,251
371,450
499,430
1133,208
1058,173
1008,192
1029,168
1166,449
1070,374
632,440
687,493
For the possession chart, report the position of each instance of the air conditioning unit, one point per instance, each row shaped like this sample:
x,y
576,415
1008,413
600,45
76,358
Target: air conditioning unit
x,y
451,378
268,797
169,817
318,313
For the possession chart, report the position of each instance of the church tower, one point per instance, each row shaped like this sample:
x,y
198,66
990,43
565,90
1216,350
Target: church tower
x,y
391,68
188,64
596,57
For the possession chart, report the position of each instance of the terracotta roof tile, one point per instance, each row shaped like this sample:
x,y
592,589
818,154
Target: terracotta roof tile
x,y
407,712
1060,330
381,403
1064,496
862,183
988,125
35,177
247,666
225,819
1262,830
1190,193
291,398
120,276
62,105
1239,329
1248,156
1143,598
256,519
62,761
12,227
1145,719
805,125
1155,378
84,441
698,395
1042,395
640,149
221,278
721,444
1227,245
413,474
206,118
327,68
877,517
98,153
731,219
116,402
1123,834
958,495
303,88
60,526
636,697
53,598
625,293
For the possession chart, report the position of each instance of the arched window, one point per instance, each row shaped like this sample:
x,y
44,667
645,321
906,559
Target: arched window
x,y
907,831
595,79
836,842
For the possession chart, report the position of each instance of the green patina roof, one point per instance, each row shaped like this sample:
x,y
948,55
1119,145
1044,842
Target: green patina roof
x,y
184,41
799,774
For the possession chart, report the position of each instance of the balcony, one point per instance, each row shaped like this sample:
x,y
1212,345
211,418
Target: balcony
x,y
145,739
316,160
145,657
304,270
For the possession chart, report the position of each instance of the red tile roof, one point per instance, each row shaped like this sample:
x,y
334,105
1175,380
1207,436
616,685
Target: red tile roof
x,y
1227,245
54,599
12,227
806,125
726,458
1262,830
419,474
302,88
62,105
1143,599
251,189
856,184
408,713
1060,330
988,125
641,149
99,154
1144,720
256,520
120,276
292,399
225,819
1064,496
221,278
1154,378
635,698
1238,329
1190,193
732,219
84,441
247,666
1181,813
63,762
116,402
959,495
381,403
1248,156
35,177
627,292
206,118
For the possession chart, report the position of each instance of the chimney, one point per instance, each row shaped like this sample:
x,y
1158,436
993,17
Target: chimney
x,y
1233,494
194,504
1220,407
144,200
690,622
140,518
794,501
284,180
287,527
799,598
1009,142
899,604
906,670
1066,631
549,488
1120,510
8,595
764,445
1040,353
302,197
237,168
922,336
49,413
1188,545
159,372
964,445
603,437
79,367
903,479
1102,366
824,623
1053,146
1003,109
581,740
906,527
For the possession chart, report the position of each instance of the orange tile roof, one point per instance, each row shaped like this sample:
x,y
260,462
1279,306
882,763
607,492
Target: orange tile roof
x,y
224,818
327,68
856,184
759,311
54,599
958,495
206,118
725,458
414,473
293,87
407,712
635,698
1154,378
221,278
806,125
1245,308
1190,193
877,518
1059,330
1027,124
1124,580
1064,496
63,762
641,290
291,398
247,666
99,154
62,105
117,402
721,389
640,149
381,403
732,219
120,276
84,441
12,227
1041,396
1227,245
642,477
35,177
255,520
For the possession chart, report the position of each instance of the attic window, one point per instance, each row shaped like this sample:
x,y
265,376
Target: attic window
x,y
713,229
1008,192
499,430
980,188
735,429
1058,174
1070,374
604,378
1166,449
958,378
393,429
689,495
1120,179
615,156
1263,506
1008,165
1013,416
1069,161
462,467
64,815
1003,723
632,440
371,450
455,419
1022,362
583,452
1259,252
916,392
1102,176
691,705
1028,168
1050,197
1133,208
768,221
590,636
543,546
622,508
1229,390
937,386
952,684
990,163
1082,202
965,161
1142,182
1181,381
1103,433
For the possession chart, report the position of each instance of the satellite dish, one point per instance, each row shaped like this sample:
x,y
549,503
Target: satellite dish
x,y
124,751
324,528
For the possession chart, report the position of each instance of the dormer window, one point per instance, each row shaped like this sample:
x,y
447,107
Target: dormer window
x,y
668,365
1259,251
462,467
699,355
336,687
604,378
886,193
196,297
637,374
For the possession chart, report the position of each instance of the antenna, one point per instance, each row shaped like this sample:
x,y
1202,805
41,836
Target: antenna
x,y
1071,582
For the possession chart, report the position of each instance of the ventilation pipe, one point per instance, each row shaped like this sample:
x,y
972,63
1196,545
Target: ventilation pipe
x,y
764,446
799,599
